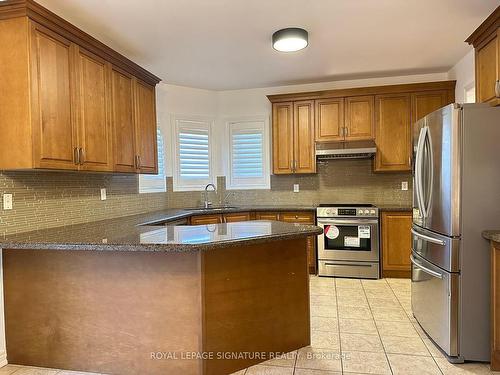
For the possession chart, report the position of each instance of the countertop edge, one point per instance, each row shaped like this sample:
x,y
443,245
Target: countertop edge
x,y
491,235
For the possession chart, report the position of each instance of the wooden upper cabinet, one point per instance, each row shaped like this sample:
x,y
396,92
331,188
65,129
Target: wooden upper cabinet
x,y
423,103
486,42
396,244
145,129
54,138
360,118
122,120
329,120
93,111
283,130
304,150
73,103
393,132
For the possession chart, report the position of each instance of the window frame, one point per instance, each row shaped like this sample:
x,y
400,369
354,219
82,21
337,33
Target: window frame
x,y
147,181
192,123
259,183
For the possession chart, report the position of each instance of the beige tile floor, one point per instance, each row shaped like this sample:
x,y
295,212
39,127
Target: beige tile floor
x,y
357,327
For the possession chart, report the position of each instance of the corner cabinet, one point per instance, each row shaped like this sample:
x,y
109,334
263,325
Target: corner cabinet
x,y
293,137
486,42
72,102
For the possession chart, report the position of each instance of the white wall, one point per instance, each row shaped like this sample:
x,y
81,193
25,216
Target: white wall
x,y
463,73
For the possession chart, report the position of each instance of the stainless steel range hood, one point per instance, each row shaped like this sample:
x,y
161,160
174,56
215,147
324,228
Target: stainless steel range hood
x,y
345,150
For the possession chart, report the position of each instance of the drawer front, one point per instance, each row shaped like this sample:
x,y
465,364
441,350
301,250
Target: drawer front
x,y
297,217
267,216
240,216
206,219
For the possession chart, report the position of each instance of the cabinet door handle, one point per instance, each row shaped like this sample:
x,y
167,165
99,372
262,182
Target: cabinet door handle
x,y
81,157
76,155
295,165
346,131
139,161
497,88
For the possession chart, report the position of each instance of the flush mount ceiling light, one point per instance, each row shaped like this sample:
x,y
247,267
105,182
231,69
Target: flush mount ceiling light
x,y
290,39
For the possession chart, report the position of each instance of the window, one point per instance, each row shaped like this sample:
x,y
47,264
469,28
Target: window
x,y
193,166
248,161
155,183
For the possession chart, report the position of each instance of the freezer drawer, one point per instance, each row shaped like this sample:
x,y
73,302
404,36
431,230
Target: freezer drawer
x,y
434,300
438,249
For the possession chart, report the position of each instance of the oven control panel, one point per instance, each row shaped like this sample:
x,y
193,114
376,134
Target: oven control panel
x,y
347,212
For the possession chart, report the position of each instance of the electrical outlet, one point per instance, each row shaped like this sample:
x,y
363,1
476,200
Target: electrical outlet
x,y
103,194
7,201
404,185
296,188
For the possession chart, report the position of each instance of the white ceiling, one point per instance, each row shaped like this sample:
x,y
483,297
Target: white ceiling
x,y
226,44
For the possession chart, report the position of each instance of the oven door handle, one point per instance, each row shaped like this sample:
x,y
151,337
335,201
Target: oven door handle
x,y
347,221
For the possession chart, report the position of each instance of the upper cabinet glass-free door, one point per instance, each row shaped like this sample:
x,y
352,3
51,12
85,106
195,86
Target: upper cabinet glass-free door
x,y
283,138
54,135
393,132
359,118
304,150
145,129
330,120
93,112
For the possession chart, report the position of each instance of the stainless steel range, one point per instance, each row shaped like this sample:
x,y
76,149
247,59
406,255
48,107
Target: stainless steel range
x,y
349,245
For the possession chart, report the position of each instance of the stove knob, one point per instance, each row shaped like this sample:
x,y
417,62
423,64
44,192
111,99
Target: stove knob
x,y
372,212
367,212
360,212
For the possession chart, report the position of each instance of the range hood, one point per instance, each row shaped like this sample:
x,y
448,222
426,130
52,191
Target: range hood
x,y
345,150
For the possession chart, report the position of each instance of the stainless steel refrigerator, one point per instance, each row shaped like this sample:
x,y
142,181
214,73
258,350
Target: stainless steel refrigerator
x,y
456,196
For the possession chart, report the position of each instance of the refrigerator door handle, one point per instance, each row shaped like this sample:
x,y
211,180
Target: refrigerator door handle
x,y
427,238
418,170
425,269
430,166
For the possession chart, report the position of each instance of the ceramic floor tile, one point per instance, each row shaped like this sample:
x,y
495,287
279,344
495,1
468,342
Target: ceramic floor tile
x,y
360,342
284,360
321,323
269,370
241,372
350,293
323,281
329,311
405,345
353,312
322,291
358,326
448,368
387,328
92,373
303,371
433,349
355,300
365,362
318,359
374,284
380,292
412,365
348,283
384,302
323,300
419,330
392,314
325,340
35,371
9,369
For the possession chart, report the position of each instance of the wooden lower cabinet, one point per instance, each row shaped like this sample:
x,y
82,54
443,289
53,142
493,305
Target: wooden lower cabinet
x,y
267,216
495,306
240,216
396,244
205,219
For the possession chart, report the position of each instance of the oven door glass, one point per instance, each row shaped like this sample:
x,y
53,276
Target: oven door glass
x,y
352,240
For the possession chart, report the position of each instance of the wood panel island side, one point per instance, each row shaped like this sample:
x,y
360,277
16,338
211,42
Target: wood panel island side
x,y
204,299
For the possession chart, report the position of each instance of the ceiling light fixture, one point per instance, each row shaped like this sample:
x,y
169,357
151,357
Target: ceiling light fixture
x,y
290,39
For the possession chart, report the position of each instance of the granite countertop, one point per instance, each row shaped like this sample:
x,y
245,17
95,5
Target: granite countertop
x,y
492,235
139,233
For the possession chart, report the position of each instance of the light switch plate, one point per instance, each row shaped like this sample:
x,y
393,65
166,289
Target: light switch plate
x,y
296,188
7,201
404,185
103,194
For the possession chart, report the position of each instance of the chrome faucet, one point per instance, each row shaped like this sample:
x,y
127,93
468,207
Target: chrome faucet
x,y
207,204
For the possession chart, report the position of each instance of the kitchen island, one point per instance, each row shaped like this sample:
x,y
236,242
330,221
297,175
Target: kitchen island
x,y
121,298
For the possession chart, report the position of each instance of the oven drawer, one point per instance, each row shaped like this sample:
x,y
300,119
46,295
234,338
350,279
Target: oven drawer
x,y
434,301
366,270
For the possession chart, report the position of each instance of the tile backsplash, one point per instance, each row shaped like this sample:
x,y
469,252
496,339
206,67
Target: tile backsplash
x,y
50,199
